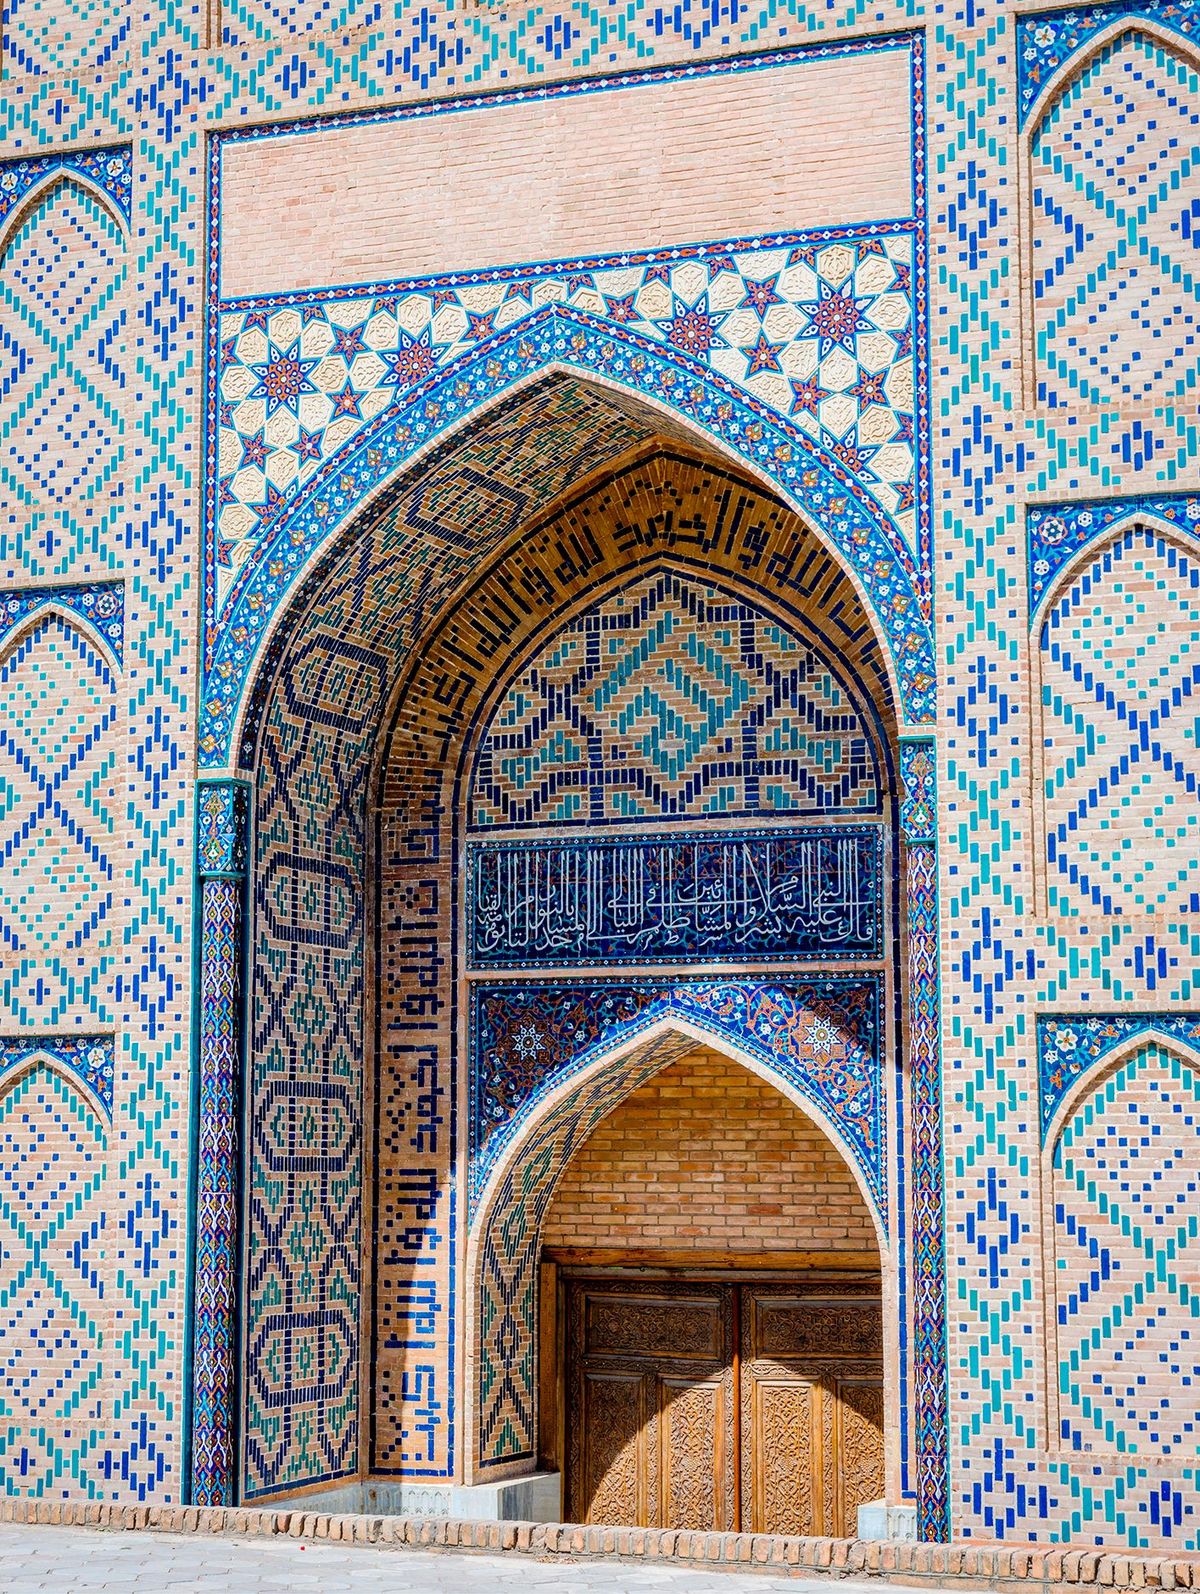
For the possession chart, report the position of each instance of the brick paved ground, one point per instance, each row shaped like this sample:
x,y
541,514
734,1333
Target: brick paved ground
x,y
76,1561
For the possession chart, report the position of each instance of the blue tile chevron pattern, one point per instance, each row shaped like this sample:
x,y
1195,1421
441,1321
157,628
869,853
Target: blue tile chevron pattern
x,y
59,757
1120,667
1116,310
54,1393
1126,1231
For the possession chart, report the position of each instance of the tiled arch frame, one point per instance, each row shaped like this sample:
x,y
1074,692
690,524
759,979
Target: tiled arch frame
x,y
326,602
506,1233
629,372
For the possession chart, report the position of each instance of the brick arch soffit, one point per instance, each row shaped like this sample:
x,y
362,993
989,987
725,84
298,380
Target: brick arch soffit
x,y
564,1115
49,187
1092,1079
1129,25
243,654
1094,547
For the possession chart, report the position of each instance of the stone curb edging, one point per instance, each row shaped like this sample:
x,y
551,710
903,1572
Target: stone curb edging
x,y
990,1566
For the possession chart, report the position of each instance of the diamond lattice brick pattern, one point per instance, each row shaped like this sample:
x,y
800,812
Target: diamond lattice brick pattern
x,y
58,806
61,328
1114,165
1127,1235
1120,660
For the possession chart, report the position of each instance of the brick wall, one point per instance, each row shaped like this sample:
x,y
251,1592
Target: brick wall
x,y
709,1157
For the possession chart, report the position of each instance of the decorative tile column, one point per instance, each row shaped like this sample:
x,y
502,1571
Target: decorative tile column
x,y
918,829
221,809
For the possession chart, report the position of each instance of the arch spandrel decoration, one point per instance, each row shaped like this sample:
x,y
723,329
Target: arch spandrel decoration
x,y
833,413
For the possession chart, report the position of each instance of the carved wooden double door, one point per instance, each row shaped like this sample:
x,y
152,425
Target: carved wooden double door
x,y
722,1406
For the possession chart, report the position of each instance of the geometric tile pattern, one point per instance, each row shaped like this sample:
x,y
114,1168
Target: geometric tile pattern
x,y
1057,532
62,319
819,1037
54,1400
1120,667
668,700
1047,40
1126,1193
1117,307
820,331
60,751
42,40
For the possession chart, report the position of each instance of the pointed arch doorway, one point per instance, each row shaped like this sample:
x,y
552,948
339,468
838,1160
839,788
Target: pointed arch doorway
x,y
712,1334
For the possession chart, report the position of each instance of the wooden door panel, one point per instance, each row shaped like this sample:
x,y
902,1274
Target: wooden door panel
x,y
859,1441
814,1450
654,1327
606,1444
651,1404
781,1442
695,1486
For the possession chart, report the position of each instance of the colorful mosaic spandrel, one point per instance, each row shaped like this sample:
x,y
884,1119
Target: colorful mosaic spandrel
x,y
110,170
1058,533
89,1058
1072,1045
100,604
820,1036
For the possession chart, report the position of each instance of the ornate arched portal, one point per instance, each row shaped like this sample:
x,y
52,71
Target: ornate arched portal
x,y
367,1139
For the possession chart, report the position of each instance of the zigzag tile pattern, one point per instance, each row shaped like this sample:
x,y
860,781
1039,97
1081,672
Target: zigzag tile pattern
x,y
59,752
54,1402
1126,1238
62,276
40,40
1120,655
1114,162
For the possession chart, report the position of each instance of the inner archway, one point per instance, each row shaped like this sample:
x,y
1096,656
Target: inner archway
x,y
712,1329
